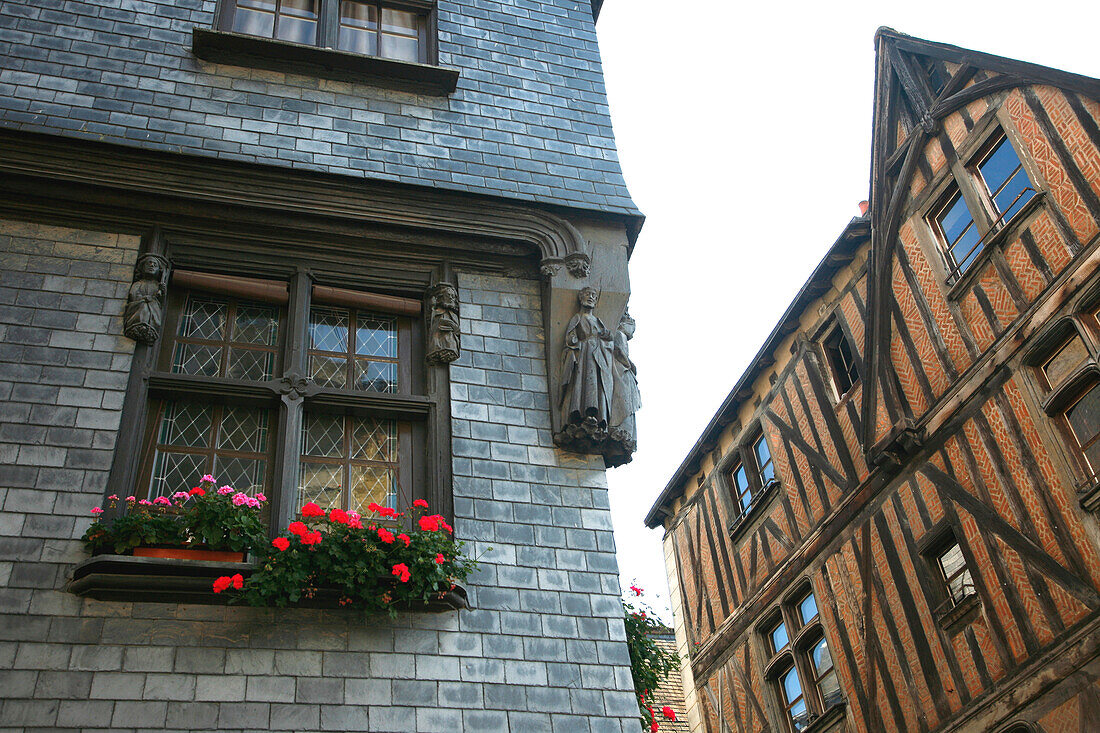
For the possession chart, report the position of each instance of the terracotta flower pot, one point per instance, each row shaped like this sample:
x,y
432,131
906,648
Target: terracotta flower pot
x,y
189,553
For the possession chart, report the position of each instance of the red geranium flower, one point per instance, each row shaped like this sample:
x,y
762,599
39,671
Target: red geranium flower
x,y
339,516
668,712
636,589
312,510
311,538
281,543
197,491
297,528
222,583
430,523
385,535
653,727
439,558
420,503
401,570
238,581
405,538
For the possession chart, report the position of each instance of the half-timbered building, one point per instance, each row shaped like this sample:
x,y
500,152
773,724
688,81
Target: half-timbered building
x,y
890,523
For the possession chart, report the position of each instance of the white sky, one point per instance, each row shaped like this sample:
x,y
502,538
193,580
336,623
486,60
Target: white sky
x,y
744,131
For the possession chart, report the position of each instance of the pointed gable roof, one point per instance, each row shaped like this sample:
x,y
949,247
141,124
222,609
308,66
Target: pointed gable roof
x,y
918,84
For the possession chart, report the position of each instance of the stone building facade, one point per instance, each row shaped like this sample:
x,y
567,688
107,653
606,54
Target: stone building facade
x,y
301,176
890,523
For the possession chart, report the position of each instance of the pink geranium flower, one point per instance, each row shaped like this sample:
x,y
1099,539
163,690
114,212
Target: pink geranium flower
x,y
207,479
261,497
239,499
96,511
226,490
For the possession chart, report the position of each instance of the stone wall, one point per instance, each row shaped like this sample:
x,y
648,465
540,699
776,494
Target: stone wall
x,y
529,119
542,651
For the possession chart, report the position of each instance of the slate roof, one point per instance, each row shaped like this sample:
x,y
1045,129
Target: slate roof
x,y
529,119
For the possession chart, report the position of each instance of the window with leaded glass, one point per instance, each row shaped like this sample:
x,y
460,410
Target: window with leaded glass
x,y
1083,420
349,462
226,338
800,665
753,472
399,31
352,349
984,196
742,490
193,438
1065,361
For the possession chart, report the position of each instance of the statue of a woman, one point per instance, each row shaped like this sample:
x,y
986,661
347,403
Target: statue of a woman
x,y
443,327
626,399
586,377
141,319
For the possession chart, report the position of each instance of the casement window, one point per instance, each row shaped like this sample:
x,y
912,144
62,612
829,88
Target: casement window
x,y
986,193
957,580
840,357
399,31
751,476
235,352
800,666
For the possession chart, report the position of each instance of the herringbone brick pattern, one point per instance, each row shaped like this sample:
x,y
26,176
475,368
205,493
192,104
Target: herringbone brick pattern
x,y
1030,279
1069,128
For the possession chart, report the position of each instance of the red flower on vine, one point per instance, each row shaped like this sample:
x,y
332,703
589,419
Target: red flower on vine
x,y
668,712
439,558
421,503
281,543
222,583
197,491
385,535
404,538
297,528
430,523
238,581
401,570
311,538
636,590
339,516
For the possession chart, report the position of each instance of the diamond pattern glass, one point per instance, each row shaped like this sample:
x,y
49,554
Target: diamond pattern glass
x,y
255,324
186,424
321,484
375,376
328,330
376,336
250,364
374,439
329,371
243,430
197,359
243,474
323,435
204,319
174,472
370,483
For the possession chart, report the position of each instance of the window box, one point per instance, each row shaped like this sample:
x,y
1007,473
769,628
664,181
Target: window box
x,y
244,50
189,553
166,580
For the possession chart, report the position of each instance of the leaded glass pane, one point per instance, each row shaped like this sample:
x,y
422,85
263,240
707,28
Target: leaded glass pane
x,y
251,364
830,689
255,17
792,690
358,28
243,430
185,424
203,319
373,439
328,330
375,376
823,661
298,21
244,474
399,21
370,483
329,371
197,359
320,483
961,586
174,472
1006,179
952,561
255,324
1084,416
807,609
323,435
764,460
376,336
1068,358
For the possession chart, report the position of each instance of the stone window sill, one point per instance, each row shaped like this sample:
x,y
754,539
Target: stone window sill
x,y
244,50
159,580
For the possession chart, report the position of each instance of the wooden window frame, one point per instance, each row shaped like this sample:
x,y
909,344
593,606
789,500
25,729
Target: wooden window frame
x,y
288,395
833,330
745,455
328,26
802,636
966,180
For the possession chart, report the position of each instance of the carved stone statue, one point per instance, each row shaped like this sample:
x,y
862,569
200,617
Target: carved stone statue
x,y
443,327
586,379
626,399
142,318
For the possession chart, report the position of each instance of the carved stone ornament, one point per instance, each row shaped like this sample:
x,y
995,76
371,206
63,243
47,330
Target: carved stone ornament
x,y
294,386
444,338
578,264
599,388
143,316
549,269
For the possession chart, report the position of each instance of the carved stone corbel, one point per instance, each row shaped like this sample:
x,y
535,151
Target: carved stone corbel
x,y
578,263
444,337
142,318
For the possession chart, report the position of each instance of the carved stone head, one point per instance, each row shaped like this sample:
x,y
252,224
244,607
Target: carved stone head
x,y
626,325
444,296
588,297
150,266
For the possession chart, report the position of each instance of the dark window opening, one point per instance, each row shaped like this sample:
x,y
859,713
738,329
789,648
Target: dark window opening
x,y
841,358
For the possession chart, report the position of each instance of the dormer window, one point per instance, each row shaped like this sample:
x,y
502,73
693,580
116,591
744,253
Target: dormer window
x,y
751,476
840,356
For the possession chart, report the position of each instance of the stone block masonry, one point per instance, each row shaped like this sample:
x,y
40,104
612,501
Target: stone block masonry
x,y
529,119
543,651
